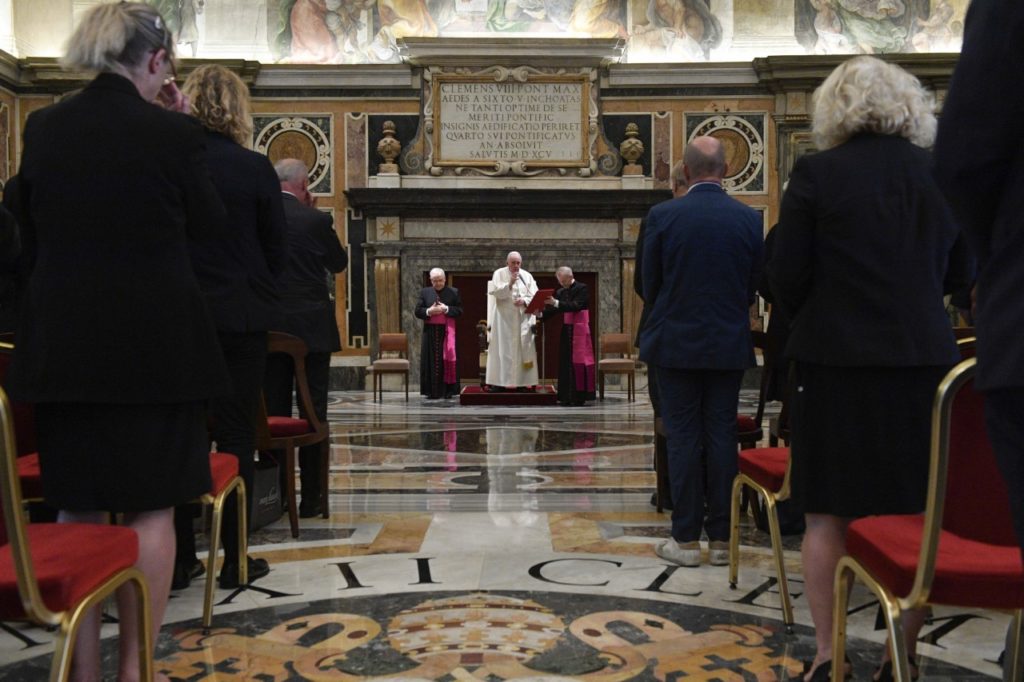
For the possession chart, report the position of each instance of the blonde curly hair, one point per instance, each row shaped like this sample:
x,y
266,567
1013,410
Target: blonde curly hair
x,y
220,101
866,94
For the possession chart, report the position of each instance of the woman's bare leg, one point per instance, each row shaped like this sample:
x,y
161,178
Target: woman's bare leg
x,y
823,546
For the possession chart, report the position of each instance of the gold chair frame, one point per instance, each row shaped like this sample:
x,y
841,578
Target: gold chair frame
x,y
893,606
216,503
36,610
771,499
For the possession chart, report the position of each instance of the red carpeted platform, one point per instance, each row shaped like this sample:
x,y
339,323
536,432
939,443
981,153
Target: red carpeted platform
x,y
475,395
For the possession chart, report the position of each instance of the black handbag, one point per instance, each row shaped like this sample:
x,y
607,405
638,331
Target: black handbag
x,y
265,497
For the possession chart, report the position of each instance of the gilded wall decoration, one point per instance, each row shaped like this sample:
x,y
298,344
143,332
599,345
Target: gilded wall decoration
x,y
307,138
743,136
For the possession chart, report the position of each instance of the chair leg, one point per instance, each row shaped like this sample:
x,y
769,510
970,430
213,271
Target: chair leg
x,y
325,472
406,387
734,532
289,479
67,634
629,384
772,511
847,569
841,588
1013,662
600,379
211,561
243,534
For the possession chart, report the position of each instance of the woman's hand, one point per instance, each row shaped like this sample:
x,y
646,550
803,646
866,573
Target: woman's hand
x,y
171,98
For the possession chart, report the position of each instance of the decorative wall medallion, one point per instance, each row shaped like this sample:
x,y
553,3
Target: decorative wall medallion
x,y
301,137
743,137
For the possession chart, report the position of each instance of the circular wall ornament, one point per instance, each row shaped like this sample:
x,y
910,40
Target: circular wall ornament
x,y
744,151
298,138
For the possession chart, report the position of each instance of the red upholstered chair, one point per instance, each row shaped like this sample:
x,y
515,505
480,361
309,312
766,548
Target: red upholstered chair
x,y
290,433
962,551
25,435
224,472
388,346
51,574
766,471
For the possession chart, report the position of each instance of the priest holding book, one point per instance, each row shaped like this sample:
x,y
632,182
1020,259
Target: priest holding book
x,y
511,351
575,348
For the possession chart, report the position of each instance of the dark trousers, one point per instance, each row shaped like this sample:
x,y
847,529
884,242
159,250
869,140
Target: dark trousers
x,y
1004,417
698,409
279,389
232,420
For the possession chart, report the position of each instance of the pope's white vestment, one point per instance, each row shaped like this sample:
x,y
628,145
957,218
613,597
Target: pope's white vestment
x,y
511,353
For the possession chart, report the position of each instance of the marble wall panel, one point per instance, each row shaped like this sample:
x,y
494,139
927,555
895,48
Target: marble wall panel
x,y
355,150
663,155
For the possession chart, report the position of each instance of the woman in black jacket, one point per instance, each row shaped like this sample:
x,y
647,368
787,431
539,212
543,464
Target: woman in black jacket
x,y
238,274
115,345
865,248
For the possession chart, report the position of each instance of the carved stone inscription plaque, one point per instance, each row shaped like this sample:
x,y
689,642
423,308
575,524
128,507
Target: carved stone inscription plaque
x,y
539,122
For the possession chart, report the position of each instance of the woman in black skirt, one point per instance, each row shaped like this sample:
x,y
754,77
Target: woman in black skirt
x,y
865,248
114,344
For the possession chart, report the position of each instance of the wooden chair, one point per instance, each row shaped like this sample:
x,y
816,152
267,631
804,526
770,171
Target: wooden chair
x,y
386,364
52,574
748,429
617,344
962,551
766,471
290,433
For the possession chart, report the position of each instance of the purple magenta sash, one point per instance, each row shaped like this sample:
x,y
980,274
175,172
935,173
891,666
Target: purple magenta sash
x,y
582,349
450,370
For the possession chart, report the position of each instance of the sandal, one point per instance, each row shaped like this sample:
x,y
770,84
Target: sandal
x,y
884,673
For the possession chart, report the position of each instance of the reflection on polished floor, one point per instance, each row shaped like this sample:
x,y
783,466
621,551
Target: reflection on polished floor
x,y
476,543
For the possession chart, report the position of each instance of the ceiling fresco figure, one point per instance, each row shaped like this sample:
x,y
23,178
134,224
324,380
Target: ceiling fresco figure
x,y
684,29
876,26
939,32
522,15
398,19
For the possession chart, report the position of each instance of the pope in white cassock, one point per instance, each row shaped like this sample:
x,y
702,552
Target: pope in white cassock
x,y
511,353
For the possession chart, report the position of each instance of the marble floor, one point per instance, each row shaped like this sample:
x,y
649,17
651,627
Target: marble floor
x,y
504,543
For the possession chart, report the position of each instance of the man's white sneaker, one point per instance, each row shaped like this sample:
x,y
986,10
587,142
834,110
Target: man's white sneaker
x,y
685,553
718,553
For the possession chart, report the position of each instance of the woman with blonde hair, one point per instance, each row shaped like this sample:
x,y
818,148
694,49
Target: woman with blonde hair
x,y
115,346
865,249
238,272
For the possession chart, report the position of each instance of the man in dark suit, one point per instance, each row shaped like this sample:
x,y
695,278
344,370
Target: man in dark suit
x,y
979,159
702,260
679,188
307,312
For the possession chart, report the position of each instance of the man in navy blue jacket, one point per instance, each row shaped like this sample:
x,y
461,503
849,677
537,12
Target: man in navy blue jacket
x,y
702,261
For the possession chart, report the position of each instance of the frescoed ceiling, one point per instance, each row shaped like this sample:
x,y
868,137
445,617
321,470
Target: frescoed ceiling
x,y
370,31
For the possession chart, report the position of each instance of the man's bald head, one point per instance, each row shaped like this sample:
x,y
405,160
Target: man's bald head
x,y
704,160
